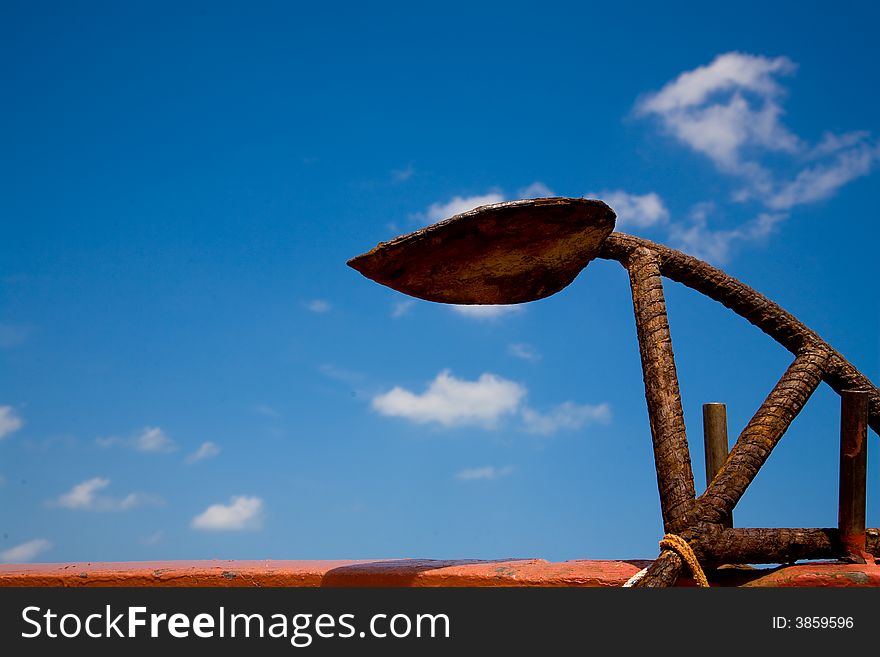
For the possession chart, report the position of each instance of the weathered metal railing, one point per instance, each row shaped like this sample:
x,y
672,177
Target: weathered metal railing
x,y
525,250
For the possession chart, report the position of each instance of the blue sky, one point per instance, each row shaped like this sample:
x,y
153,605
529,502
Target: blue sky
x,y
189,370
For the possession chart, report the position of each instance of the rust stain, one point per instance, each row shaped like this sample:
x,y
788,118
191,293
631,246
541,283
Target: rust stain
x,y
858,578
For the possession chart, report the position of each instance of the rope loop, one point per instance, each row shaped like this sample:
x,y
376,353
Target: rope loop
x,y
681,547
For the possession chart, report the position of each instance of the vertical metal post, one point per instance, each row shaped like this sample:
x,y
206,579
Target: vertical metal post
x,y
715,444
853,472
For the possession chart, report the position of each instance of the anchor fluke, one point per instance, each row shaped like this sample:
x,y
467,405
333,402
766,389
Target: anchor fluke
x,y
504,253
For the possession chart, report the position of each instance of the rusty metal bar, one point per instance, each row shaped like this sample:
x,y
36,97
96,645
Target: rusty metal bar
x,y
715,545
715,444
760,311
675,478
761,435
663,572
853,472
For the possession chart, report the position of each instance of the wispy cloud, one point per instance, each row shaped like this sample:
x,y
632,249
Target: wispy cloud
x,y
716,245
9,421
349,377
265,409
206,450
566,416
155,538
401,175
523,351
819,182
536,190
456,205
242,513
450,401
149,439
12,335
25,552
639,210
486,312
486,473
319,306
86,496
401,308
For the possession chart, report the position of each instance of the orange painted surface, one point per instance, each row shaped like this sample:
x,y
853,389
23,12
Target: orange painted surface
x,y
821,574
409,572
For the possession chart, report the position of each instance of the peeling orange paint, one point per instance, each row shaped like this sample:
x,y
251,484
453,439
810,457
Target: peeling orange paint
x,y
411,573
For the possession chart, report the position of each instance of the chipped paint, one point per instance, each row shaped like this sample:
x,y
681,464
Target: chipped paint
x,y
413,573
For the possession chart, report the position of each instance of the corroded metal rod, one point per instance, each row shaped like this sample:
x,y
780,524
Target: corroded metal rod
x,y
675,478
761,435
753,306
716,545
715,444
853,471
663,572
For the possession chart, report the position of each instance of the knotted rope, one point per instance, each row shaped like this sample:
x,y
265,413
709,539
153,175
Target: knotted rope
x,y
683,549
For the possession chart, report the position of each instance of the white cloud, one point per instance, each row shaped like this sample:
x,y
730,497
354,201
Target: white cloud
x,y
149,439
450,401
832,143
25,552
319,306
488,472
729,111
153,439
206,450
694,235
242,513
85,497
823,180
524,351
457,205
567,415
722,108
9,421
155,538
715,245
535,190
729,71
639,210
401,308
486,312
